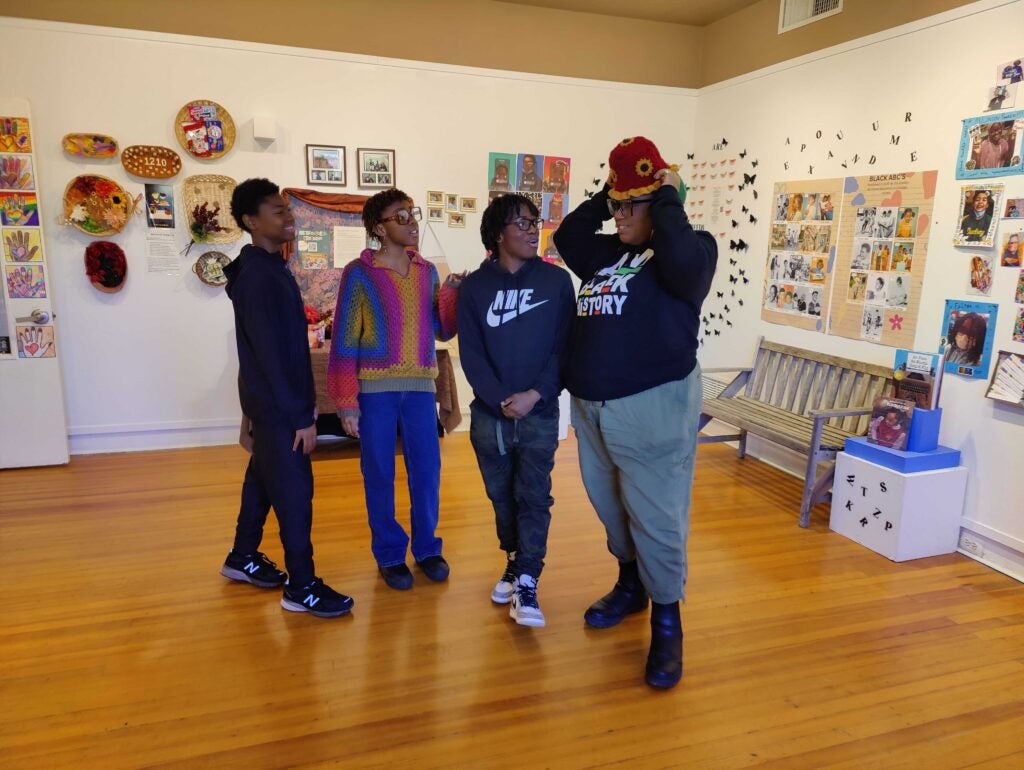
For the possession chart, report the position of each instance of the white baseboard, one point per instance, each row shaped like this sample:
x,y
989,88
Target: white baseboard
x,y
143,437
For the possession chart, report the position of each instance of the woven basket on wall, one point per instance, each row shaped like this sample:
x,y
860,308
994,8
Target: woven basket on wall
x,y
227,126
213,190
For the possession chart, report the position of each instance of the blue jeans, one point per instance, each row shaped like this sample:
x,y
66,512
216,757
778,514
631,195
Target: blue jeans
x,y
515,459
381,416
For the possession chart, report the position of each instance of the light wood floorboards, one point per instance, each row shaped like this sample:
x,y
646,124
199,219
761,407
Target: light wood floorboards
x,y
122,646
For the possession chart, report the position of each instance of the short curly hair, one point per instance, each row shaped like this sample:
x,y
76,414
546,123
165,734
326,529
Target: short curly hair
x,y
373,209
499,212
248,196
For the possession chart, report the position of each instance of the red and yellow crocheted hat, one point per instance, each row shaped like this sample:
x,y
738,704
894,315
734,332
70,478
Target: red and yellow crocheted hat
x,y
634,162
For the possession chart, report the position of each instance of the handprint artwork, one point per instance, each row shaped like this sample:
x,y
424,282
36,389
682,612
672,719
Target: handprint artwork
x,y
23,245
16,172
35,342
26,282
14,135
19,209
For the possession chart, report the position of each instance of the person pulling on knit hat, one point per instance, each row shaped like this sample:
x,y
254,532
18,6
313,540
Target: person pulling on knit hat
x,y
381,371
631,368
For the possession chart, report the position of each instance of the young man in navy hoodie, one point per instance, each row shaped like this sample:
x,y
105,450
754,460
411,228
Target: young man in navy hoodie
x,y
513,318
275,387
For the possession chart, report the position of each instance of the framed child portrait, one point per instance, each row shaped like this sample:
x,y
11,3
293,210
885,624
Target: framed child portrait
x,y
968,331
376,168
467,204
990,145
325,165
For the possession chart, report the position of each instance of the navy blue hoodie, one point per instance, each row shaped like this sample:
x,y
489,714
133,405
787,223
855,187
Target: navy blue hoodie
x,y
513,329
275,378
638,311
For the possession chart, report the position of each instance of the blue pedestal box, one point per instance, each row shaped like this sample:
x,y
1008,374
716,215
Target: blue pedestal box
x,y
903,462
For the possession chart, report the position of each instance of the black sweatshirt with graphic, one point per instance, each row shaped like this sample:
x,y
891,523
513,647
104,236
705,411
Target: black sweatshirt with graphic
x,y
638,310
513,329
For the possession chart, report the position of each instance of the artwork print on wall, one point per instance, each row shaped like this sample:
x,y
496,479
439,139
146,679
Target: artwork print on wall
x,y
968,330
976,219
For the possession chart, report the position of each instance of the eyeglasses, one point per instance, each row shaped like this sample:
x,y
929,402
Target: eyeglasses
x,y
405,216
525,224
626,206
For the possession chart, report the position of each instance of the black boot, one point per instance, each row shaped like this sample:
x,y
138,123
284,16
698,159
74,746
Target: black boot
x,y
665,660
628,596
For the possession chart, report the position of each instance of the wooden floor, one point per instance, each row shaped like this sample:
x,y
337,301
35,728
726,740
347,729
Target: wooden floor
x,y
122,646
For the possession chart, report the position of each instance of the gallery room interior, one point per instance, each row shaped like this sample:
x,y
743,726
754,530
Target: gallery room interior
x,y
856,529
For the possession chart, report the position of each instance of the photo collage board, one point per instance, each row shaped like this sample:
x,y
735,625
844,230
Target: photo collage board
x,y
26,329
883,247
801,252
544,179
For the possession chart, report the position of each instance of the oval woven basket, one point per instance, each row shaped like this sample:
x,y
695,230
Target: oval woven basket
x,y
214,192
207,145
97,205
150,161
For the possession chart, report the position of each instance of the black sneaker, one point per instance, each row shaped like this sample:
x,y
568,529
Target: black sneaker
x,y
253,568
397,576
317,599
435,568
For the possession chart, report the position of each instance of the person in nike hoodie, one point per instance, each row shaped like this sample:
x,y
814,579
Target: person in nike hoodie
x,y
632,370
275,387
513,318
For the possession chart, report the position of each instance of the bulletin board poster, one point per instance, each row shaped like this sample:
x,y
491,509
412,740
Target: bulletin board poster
x,y
544,179
882,251
801,253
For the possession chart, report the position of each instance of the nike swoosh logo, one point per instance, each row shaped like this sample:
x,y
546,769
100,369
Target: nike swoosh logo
x,y
495,320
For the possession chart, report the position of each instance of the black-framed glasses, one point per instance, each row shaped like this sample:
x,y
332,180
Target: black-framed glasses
x,y
626,206
405,216
525,223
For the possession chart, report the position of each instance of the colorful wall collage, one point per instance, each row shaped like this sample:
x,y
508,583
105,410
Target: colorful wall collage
x,y
801,248
542,178
846,256
24,331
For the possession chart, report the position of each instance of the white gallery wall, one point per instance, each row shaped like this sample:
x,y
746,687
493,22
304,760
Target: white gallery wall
x,y
154,366
938,70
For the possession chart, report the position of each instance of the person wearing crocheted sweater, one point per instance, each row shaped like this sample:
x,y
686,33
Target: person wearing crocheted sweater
x,y
391,307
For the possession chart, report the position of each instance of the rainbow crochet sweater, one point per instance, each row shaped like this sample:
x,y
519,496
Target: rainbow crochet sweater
x,y
384,329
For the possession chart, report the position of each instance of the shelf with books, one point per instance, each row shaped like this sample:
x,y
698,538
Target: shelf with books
x,y
1007,383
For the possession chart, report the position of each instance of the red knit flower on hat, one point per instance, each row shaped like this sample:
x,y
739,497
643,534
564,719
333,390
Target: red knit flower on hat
x,y
627,141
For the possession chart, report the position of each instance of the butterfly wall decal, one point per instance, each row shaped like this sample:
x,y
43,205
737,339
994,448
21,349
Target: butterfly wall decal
x,y
689,156
721,294
740,245
745,210
753,219
753,163
744,153
749,178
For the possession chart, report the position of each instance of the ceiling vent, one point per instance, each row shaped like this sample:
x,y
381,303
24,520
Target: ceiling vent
x,y
797,13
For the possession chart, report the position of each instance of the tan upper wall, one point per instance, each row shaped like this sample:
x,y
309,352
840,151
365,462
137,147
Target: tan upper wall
x,y
475,33
748,39
502,35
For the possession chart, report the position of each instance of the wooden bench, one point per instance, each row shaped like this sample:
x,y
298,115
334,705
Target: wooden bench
x,y
806,401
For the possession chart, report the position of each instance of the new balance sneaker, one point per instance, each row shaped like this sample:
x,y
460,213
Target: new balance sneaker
x,y
502,592
317,598
525,611
397,576
253,568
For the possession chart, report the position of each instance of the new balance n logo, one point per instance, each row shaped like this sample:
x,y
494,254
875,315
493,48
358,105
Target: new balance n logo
x,y
252,568
311,601
508,305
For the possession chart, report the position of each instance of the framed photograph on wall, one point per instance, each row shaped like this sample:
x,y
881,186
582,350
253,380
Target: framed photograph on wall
x,y
325,165
435,198
990,145
376,168
435,213
467,204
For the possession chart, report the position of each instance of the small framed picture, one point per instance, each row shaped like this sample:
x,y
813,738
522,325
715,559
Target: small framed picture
x,y
325,165
435,198
468,204
376,168
451,202
456,220
435,213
